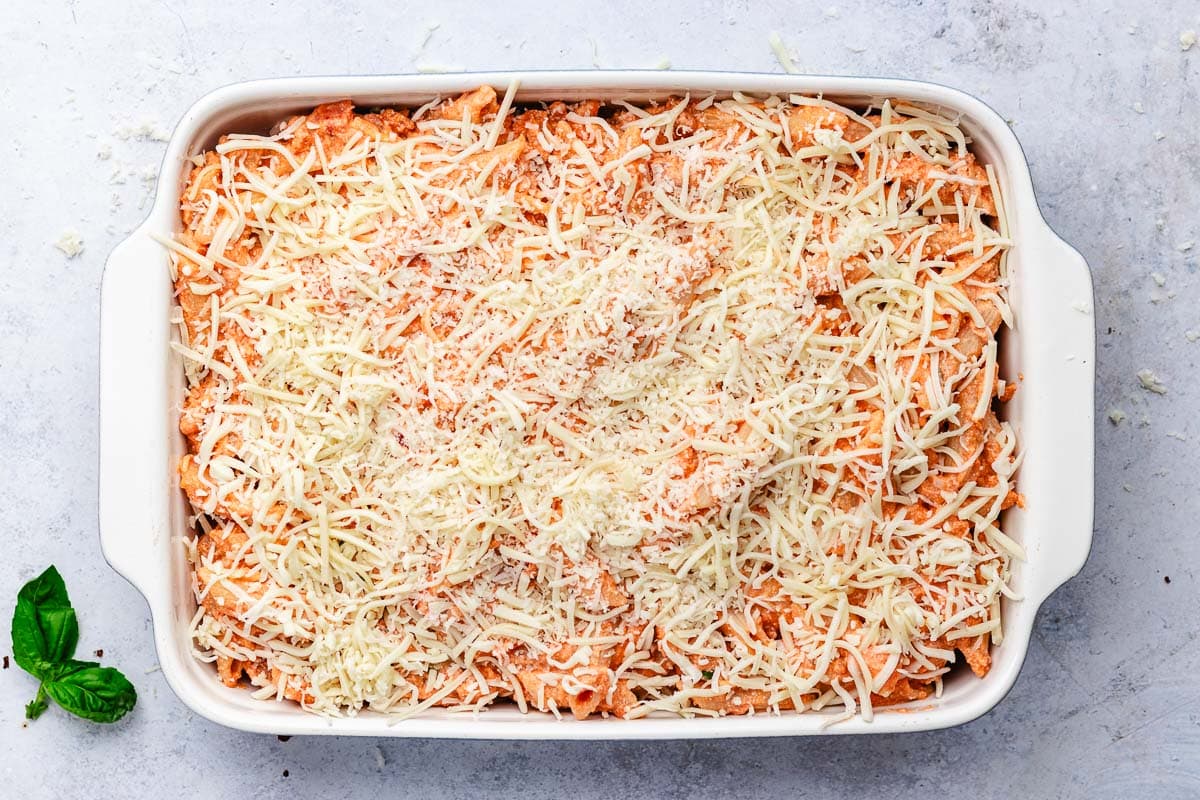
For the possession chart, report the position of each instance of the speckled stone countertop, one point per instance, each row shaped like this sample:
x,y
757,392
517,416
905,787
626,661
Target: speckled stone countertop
x,y
1105,101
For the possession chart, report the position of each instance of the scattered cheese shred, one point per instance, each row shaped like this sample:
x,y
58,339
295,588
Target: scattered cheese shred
x,y
781,54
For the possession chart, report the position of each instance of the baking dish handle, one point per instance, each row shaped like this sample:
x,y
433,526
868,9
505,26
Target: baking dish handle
x,y
1067,361
134,481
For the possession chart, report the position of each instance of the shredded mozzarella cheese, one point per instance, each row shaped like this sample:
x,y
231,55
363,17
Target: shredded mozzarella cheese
x,y
681,408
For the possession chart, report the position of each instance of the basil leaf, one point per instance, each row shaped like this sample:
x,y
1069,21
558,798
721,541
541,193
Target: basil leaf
x,y
47,589
44,627
61,631
35,707
56,672
29,645
101,694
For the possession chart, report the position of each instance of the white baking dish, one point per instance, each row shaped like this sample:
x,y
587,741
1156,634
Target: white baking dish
x,y
142,511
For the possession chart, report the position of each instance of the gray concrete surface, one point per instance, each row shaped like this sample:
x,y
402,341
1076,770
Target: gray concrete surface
x,y
1105,102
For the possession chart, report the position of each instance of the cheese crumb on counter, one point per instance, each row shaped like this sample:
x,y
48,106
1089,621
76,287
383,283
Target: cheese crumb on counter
x,y
148,130
1151,382
1186,40
1116,416
70,243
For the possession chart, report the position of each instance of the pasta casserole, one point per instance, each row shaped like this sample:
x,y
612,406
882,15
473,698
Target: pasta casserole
x,y
596,408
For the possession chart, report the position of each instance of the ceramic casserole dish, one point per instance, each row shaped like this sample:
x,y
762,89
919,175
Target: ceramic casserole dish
x,y
143,513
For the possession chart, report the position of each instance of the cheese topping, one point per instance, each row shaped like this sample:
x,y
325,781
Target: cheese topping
x,y
684,408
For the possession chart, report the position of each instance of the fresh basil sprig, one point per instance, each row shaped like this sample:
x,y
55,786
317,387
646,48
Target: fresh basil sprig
x,y
44,628
44,635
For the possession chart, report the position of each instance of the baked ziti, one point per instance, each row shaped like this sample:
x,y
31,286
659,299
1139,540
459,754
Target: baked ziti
x,y
596,407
